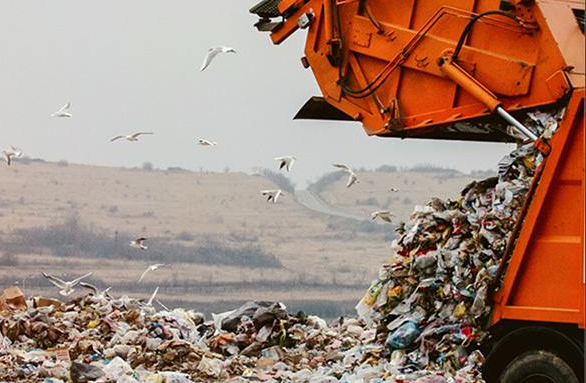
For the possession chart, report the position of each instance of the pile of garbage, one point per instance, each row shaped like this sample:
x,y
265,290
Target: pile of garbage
x,y
421,320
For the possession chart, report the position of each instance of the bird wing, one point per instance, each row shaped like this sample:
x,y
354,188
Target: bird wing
x,y
351,180
89,286
277,196
212,52
144,273
56,281
76,281
342,166
150,301
64,107
134,135
374,214
140,240
116,138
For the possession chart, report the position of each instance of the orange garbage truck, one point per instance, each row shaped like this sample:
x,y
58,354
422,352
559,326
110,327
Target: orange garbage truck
x,y
468,70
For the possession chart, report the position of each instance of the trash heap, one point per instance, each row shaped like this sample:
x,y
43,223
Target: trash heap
x,y
421,320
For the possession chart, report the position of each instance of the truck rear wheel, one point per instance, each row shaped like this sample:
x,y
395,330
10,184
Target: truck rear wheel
x,y
538,367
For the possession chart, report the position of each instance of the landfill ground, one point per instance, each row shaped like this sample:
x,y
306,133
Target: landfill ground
x,y
326,261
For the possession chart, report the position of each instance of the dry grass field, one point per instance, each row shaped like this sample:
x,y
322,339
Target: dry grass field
x,y
373,192
68,219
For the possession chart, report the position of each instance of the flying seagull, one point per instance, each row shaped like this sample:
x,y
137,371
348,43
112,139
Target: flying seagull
x,y
138,243
352,179
66,287
285,162
385,215
10,153
204,142
95,290
63,111
272,194
212,53
130,137
152,268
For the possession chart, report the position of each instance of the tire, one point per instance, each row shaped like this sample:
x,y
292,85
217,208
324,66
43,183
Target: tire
x,y
538,367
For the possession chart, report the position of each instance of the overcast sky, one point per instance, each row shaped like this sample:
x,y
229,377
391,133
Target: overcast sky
x,y
133,65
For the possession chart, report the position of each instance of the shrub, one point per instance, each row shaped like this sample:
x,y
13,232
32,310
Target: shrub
x,y
326,180
71,239
387,169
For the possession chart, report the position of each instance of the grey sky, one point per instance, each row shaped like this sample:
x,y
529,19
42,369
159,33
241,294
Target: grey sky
x,y
133,65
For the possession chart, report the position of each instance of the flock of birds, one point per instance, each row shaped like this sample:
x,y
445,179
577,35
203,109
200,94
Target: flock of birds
x,y
272,195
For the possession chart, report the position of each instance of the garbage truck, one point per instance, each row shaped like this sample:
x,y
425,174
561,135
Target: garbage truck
x,y
469,70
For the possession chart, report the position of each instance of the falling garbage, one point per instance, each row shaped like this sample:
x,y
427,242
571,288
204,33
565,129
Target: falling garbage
x,y
420,321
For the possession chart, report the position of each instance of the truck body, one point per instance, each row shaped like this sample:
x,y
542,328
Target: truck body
x,y
467,70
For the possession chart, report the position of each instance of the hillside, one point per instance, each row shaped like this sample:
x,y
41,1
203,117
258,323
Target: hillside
x,y
224,242
373,191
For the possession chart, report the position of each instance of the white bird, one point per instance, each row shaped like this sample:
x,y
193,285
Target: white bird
x,y
285,162
63,111
204,142
130,137
95,290
272,194
152,268
10,153
385,215
344,167
352,178
152,298
212,53
394,190
138,243
66,287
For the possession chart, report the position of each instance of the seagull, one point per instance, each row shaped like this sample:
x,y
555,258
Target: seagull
x,y
12,152
63,111
285,162
152,298
352,178
66,287
94,289
152,268
343,166
130,137
204,142
212,53
394,190
139,243
385,215
272,194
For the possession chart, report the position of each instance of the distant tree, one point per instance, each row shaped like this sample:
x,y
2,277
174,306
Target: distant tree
x,y
147,166
279,179
387,169
326,180
62,163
